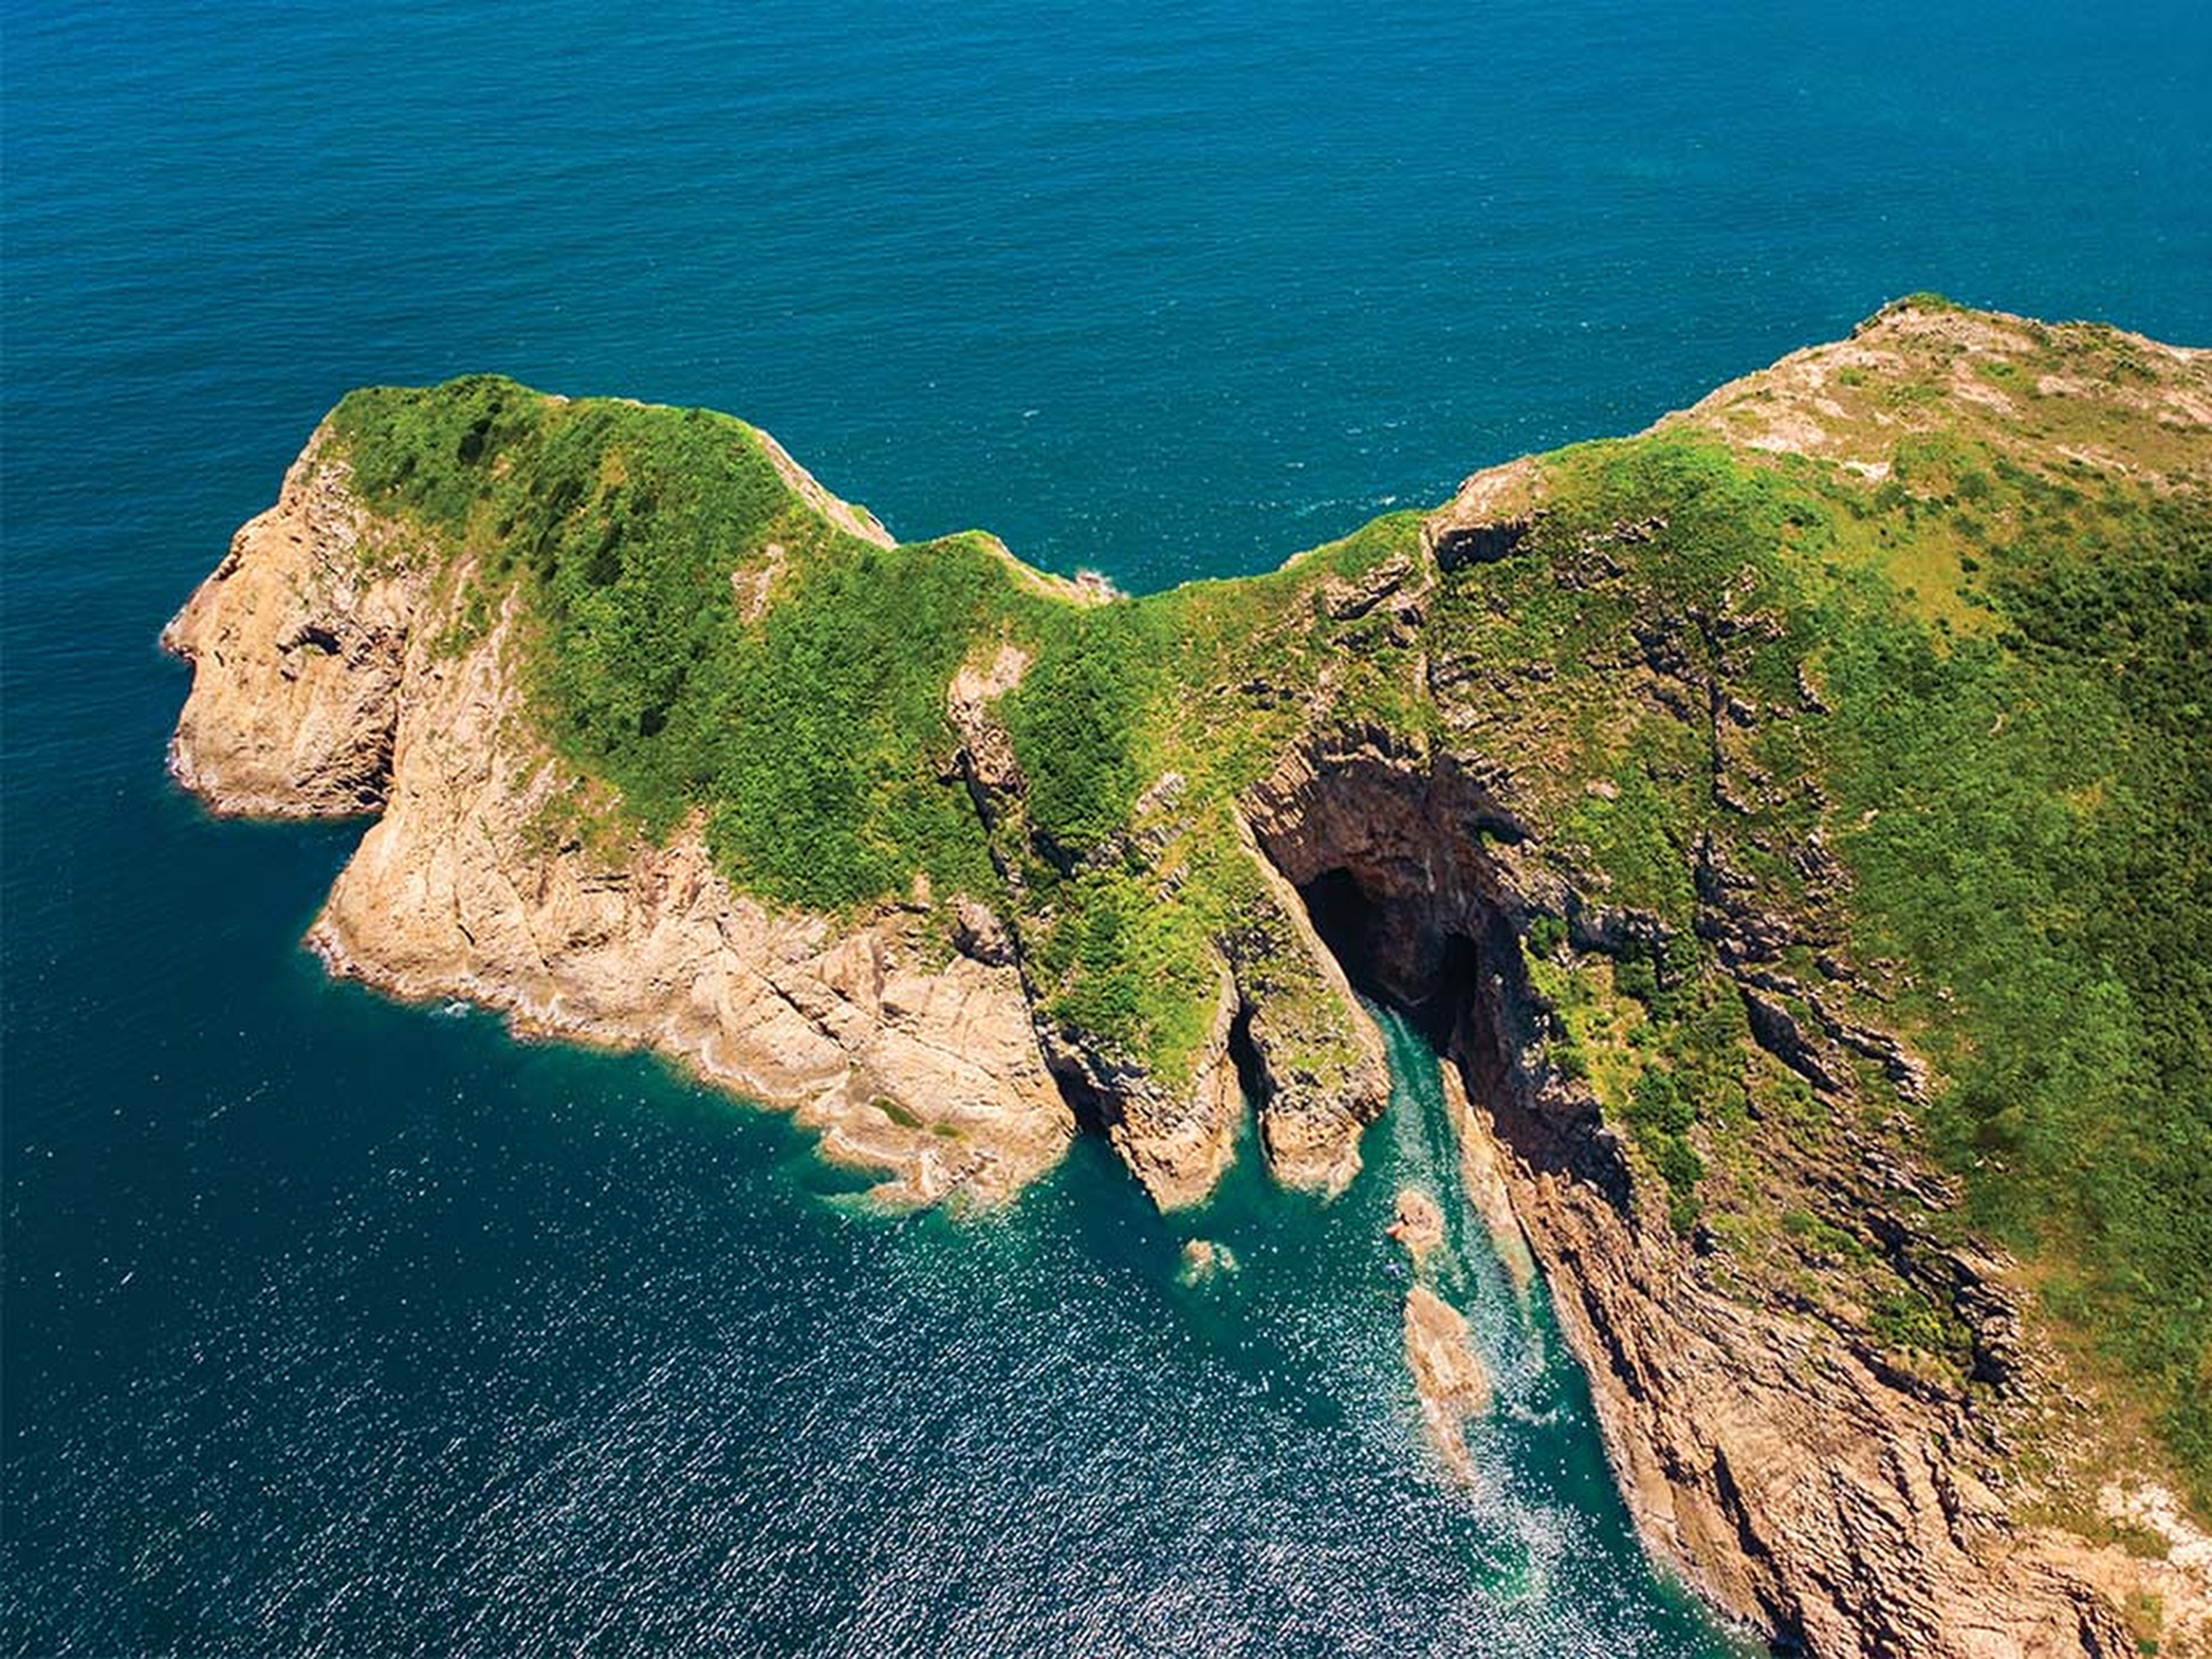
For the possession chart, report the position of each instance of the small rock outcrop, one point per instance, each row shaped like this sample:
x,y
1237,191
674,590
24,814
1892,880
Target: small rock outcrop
x,y
1449,1378
301,639
1417,1223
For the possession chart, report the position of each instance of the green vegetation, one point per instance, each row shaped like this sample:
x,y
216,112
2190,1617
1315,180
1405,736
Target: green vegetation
x,y
2057,885
1908,1319
810,732
1912,724
2019,808
1078,721
897,1111
1661,1116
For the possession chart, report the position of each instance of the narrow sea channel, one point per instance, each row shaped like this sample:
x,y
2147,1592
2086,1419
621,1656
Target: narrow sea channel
x,y
332,1328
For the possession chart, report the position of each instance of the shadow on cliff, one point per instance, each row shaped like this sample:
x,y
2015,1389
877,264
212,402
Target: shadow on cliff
x,y
1404,866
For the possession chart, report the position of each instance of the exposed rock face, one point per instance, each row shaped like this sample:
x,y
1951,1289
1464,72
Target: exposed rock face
x,y
1177,1140
300,638
320,692
1449,1377
1309,1122
1775,1449
1417,1223
1782,1465
1488,518
1482,1174
1784,1470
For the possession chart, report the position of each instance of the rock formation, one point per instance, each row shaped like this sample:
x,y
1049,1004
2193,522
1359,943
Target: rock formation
x,y
1775,1458
1448,1375
1368,775
321,690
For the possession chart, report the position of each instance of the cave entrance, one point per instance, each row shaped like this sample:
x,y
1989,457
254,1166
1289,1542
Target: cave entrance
x,y
1251,1074
1445,978
1345,917
1450,963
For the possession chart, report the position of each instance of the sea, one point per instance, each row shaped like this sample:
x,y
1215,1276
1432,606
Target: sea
x,y
334,1327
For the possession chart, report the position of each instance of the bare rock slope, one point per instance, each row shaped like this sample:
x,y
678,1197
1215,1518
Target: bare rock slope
x,y
1367,768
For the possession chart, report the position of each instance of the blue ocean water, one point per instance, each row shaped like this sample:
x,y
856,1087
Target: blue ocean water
x,y
331,1327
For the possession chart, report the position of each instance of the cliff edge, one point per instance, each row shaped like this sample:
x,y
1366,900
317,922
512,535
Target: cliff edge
x,y
1785,822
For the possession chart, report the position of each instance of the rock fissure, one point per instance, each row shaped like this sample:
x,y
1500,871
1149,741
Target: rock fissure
x,y
1527,770
1844,1549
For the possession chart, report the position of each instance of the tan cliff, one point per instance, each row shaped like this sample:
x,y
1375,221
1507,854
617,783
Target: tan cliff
x,y
1773,1449
1779,1462
301,639
318,691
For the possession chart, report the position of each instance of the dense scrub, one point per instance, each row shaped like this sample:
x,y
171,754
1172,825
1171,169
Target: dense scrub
x,y
2057,885
1940,720
700,637
2019,812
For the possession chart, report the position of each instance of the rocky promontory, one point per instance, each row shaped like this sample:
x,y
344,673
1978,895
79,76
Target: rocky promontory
x,y
1743,810
320,691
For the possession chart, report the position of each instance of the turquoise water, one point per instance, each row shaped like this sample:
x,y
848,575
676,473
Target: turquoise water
x,y
331,1327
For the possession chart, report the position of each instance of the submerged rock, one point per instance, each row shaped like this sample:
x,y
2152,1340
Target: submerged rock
x,y
1450,1377
1203,1259
1418,1224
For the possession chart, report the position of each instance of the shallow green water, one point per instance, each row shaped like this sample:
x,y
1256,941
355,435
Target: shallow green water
x,y
1542,1530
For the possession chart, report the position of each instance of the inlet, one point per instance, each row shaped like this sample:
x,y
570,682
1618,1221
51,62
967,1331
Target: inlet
x,y
1392,857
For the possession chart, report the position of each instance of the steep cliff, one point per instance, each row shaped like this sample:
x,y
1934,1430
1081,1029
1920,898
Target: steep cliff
x,y
1766,1442
1773,818
323,686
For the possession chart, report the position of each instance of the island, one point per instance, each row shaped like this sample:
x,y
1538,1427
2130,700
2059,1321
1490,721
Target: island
x,y
1792,825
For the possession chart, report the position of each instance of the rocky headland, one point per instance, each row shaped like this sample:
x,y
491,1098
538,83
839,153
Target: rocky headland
x,y
1607,771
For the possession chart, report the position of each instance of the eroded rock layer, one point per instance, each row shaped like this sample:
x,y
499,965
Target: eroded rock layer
x,y
466,887
1558,769
1774,1455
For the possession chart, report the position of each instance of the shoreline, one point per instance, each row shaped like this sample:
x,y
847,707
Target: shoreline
x,y
1771,1451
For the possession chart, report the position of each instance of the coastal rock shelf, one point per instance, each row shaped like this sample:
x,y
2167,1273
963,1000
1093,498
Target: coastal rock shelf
x,y
1730,806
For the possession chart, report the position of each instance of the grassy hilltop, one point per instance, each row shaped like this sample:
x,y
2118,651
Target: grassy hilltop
x,y
1905,646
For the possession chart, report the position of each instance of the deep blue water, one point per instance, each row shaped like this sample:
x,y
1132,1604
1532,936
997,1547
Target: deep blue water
x,y
333,1327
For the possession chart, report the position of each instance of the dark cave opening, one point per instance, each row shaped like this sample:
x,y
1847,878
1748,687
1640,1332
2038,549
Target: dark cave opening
x,y
1093,1110
1344,917
1453,966
1251,1071
1441,979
